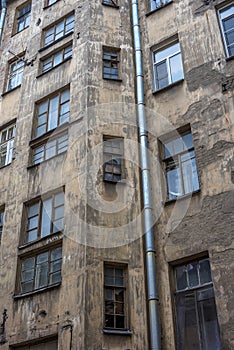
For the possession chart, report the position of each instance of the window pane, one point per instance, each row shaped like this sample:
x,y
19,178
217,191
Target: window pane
x,y
53,113
193,275
32,235
50,149
204,271
56,253
58,58
55,277
33,209
189,170
187,323
120,322
209,324
46,217
41,275
161,75
109,321
169,51
174,183
176,68
181,278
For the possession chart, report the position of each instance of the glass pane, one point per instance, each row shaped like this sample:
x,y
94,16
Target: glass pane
x,y
187,323
58,58
109,307
120,322
181,278
168,149
176,68
59,199
109,321
55,265
59,212
188,141
32,235
41,275
41,130
53,113
33,223
229,37
58,225
109,294
50,149
33,210
119,295
41,258
209,325
204,271
42,108
228,11
56,253
174,183
49,36
65,96
189,170
169,51
55,277
28,275
228,24
26,287
28,263
193,274
59,30
46,217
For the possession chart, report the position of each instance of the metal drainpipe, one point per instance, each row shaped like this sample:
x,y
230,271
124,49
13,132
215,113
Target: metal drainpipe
x,y
2,17
150,258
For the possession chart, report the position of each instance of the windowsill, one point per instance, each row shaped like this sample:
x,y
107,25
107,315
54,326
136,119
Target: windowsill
x,y
55,237
117,332
186,196
109,79
45,136
67,59
157,9
229,58
32,166
178,82
5,166
55,42
8,91
37,291
48,6
19,31
110,5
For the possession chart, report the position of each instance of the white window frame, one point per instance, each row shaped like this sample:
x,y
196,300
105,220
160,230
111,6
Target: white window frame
x,y
184,167
166,59
15,73
7,136
223,9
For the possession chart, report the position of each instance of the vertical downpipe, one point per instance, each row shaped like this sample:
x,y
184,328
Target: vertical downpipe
x,y
150,258
2,17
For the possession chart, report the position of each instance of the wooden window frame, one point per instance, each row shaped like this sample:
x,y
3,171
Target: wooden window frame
x,y
52,56
39,201
109,157
46,123
43,145
34,255
24,16
114,287
174,161
53,28
12,73
202,288
111,63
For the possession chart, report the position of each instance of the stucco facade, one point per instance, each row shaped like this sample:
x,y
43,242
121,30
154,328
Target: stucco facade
x,y
102,225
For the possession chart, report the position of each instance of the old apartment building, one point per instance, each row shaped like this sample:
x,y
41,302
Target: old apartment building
x,y
116,175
